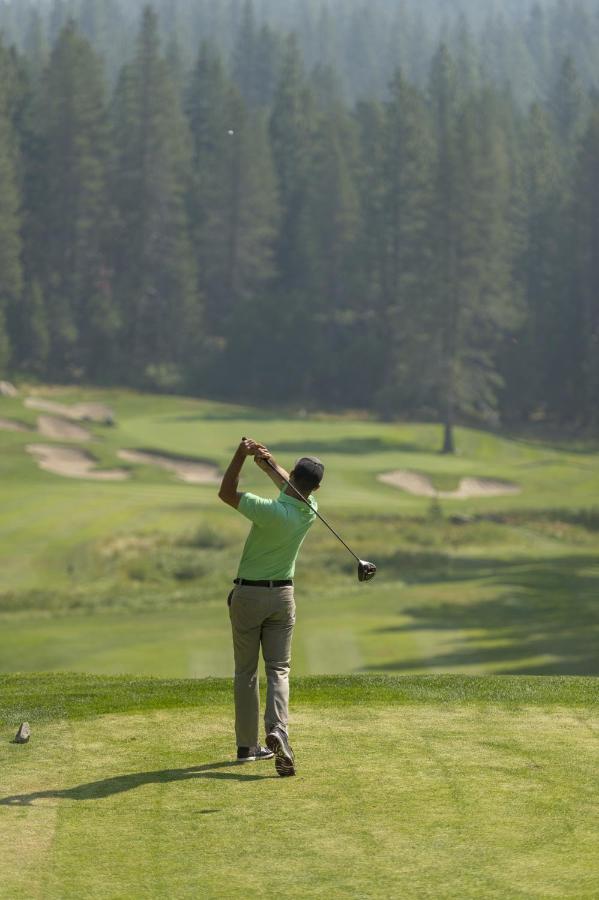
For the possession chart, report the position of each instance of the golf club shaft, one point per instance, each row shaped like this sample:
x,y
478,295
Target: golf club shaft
x,y
301,496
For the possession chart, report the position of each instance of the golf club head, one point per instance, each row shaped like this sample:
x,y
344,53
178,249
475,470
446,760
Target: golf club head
x,y
366,570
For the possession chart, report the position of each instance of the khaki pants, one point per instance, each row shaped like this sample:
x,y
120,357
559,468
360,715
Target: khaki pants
x,y
261,616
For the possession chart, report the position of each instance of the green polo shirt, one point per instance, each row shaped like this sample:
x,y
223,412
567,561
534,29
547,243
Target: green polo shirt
x,y
278,530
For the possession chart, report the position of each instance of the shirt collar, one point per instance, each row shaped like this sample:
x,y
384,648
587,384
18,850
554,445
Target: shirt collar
x,y
295,501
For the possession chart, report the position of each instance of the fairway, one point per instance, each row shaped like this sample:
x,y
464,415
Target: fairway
x,y
444,787
132,576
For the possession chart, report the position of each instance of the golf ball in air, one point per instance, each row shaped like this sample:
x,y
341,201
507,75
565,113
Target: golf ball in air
x,y
230,131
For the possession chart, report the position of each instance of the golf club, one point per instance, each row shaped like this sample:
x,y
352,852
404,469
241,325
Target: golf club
x,y
366,570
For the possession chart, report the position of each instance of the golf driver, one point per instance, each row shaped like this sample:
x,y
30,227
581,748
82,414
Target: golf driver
x,y
366,570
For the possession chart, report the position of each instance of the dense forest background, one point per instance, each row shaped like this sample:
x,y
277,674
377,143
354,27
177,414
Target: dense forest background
x,y
392,206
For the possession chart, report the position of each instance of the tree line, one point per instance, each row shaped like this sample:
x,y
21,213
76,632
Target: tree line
x,y
516,42
241,231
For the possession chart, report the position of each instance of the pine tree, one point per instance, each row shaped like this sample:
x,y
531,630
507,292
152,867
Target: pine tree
x,y
11,275
35,44
568,107
584,349
491,303
445,294
369,341
332,210
288,309
213,110
155,275
245,57
104,24
473,289
267,63
75,210
408,179
291,134
59,15
537,39
31,331
534,372
233,203
468,67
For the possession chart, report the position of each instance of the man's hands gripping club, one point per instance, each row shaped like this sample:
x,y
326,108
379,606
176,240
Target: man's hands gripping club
x,y
266,461
229,492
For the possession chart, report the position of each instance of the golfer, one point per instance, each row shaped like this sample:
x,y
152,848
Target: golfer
x,y
262,606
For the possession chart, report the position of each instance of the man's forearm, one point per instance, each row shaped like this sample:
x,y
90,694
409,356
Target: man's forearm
x,y
274,471
230,482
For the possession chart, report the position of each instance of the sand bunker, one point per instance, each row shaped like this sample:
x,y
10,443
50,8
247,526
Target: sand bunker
x,y
422,486
186,469
79,412
13,425
53,427
47,406
8,390
71,462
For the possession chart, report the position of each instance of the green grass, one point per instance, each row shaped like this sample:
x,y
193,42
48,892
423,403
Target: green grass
x,y
411,782
449,786
133,576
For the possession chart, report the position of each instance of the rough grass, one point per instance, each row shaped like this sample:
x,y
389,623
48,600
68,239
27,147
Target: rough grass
x,y
421,787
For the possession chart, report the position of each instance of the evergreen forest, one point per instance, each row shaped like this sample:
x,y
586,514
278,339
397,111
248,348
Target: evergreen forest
x,y
331,205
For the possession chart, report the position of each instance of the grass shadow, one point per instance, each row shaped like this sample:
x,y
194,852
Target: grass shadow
x,y
546,438
118,784
584,517
350,446
173,457
233,415
546,609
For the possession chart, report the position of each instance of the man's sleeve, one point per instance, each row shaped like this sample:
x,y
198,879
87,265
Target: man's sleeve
x,y
258,510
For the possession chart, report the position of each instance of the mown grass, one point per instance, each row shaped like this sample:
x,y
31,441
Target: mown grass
x,y
46,697
434,787
133,576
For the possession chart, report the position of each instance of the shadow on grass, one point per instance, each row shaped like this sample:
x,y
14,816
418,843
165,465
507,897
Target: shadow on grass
x,y
118,784
542,609
231,415
587,518
544,438
350,445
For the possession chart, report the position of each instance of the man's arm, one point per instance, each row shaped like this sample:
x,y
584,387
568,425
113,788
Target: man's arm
x,y
276,474
228,492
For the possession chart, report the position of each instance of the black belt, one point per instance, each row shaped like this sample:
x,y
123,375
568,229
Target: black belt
x,y
287,582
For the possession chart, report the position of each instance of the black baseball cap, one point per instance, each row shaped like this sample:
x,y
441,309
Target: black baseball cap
x,y
309,469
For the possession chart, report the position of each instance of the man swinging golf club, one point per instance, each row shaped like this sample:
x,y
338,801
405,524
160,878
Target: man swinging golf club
x,y
262,605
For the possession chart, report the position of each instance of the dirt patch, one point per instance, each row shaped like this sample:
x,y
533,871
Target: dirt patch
x,y
78,412
63,429
13,425
422,486
71,462
191,471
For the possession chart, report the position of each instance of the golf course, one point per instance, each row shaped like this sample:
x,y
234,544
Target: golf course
x,y
433,761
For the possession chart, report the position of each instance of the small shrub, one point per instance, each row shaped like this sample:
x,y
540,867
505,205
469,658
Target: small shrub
x,y
205,537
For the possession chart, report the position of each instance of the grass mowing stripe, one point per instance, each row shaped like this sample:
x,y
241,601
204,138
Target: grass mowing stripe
x,y
46,697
